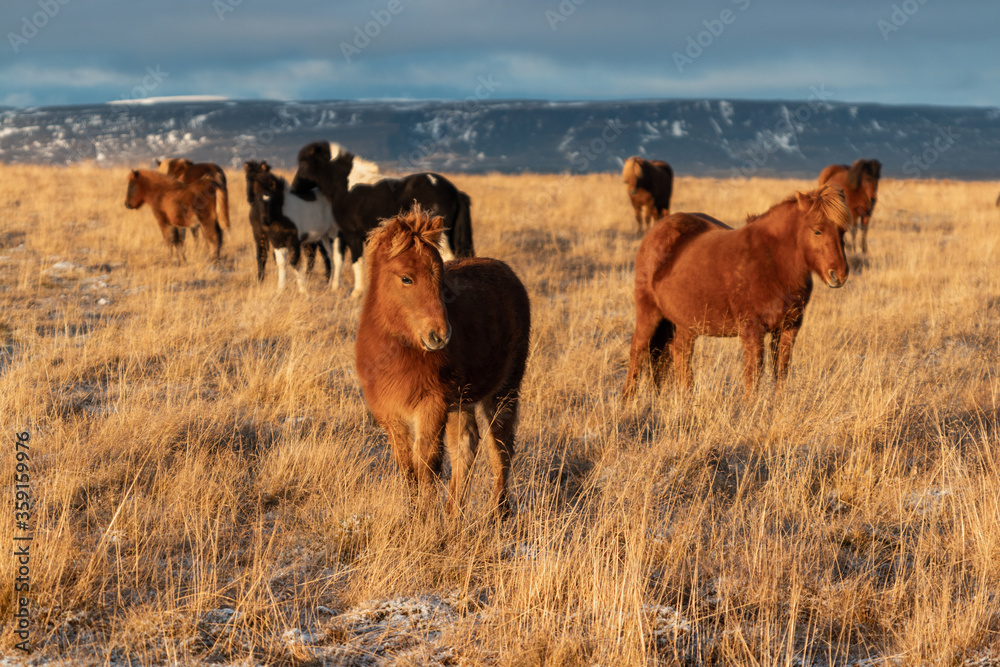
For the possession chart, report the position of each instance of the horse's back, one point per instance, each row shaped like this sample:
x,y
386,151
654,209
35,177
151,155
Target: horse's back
x,y
490,315
835,172
666,239
682,267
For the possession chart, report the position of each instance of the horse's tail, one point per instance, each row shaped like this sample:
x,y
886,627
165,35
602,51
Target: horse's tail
x,y
222,203
462,227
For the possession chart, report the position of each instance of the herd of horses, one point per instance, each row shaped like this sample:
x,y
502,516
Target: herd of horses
x,y
443,335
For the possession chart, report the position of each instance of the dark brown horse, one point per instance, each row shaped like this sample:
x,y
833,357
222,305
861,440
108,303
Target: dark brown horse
x,y
177,206
650,184
860,185
695,276
440,347
251,170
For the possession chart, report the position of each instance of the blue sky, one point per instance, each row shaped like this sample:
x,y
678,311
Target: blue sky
x,y
893,52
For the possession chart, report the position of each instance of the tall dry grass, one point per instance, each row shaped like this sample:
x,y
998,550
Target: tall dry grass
x,y
208,486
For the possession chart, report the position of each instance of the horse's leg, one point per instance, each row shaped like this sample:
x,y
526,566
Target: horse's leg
x,y
310,253
359,277
328,248
661,362
864,234
500,416
781,352
213,237
263,248
444,248
681,349
637,209
178,244
169,232
293,262
338,262
427,449
462,436
280,259
753,355
402,448
647,319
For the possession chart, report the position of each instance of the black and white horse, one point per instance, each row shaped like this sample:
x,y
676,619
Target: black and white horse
x,y
290,221
360,208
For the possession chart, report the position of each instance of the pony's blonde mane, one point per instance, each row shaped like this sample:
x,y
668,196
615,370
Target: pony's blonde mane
x,y
414,229
826,201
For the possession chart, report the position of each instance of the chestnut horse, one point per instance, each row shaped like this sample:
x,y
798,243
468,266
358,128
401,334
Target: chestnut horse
x,y
177,206
695,276
860,185
439,346
650,184
187,171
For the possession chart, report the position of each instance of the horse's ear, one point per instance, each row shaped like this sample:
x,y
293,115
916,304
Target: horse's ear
x,y
135,172
804,200
158,161
264,166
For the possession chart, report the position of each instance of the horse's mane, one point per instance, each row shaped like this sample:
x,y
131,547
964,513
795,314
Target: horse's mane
x,y
860,168
827,201
413,229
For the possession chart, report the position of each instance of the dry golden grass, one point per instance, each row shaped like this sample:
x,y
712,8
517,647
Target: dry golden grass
x,y
208,486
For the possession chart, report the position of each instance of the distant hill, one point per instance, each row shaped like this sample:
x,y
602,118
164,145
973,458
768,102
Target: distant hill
x,y
706,137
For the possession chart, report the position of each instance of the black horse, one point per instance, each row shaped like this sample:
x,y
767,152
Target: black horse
x,y
360,208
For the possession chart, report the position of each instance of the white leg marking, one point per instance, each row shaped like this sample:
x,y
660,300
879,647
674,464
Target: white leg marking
x,y
338,264
446,254
281,259
359,278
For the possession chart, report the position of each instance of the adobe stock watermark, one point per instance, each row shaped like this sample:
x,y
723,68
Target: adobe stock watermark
x,y
786,129
153,79
30,26
412,161
581,158
363,35
223,7
899,16
697,44
282,120
562,12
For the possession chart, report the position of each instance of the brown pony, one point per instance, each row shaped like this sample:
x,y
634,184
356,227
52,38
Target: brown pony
x,y
695,276
187,171
439,347
860,185
650,184
177,206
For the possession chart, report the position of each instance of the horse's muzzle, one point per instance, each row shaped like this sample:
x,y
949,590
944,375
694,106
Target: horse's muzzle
x,y
833,281
435,341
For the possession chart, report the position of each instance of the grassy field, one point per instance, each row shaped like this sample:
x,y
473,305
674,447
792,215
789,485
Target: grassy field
x,y
208,486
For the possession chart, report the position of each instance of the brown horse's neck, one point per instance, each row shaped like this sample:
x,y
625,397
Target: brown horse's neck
x,y
152,189
778,229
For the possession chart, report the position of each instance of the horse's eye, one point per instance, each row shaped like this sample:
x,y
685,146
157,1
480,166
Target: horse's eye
x,y
406,280
817,232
